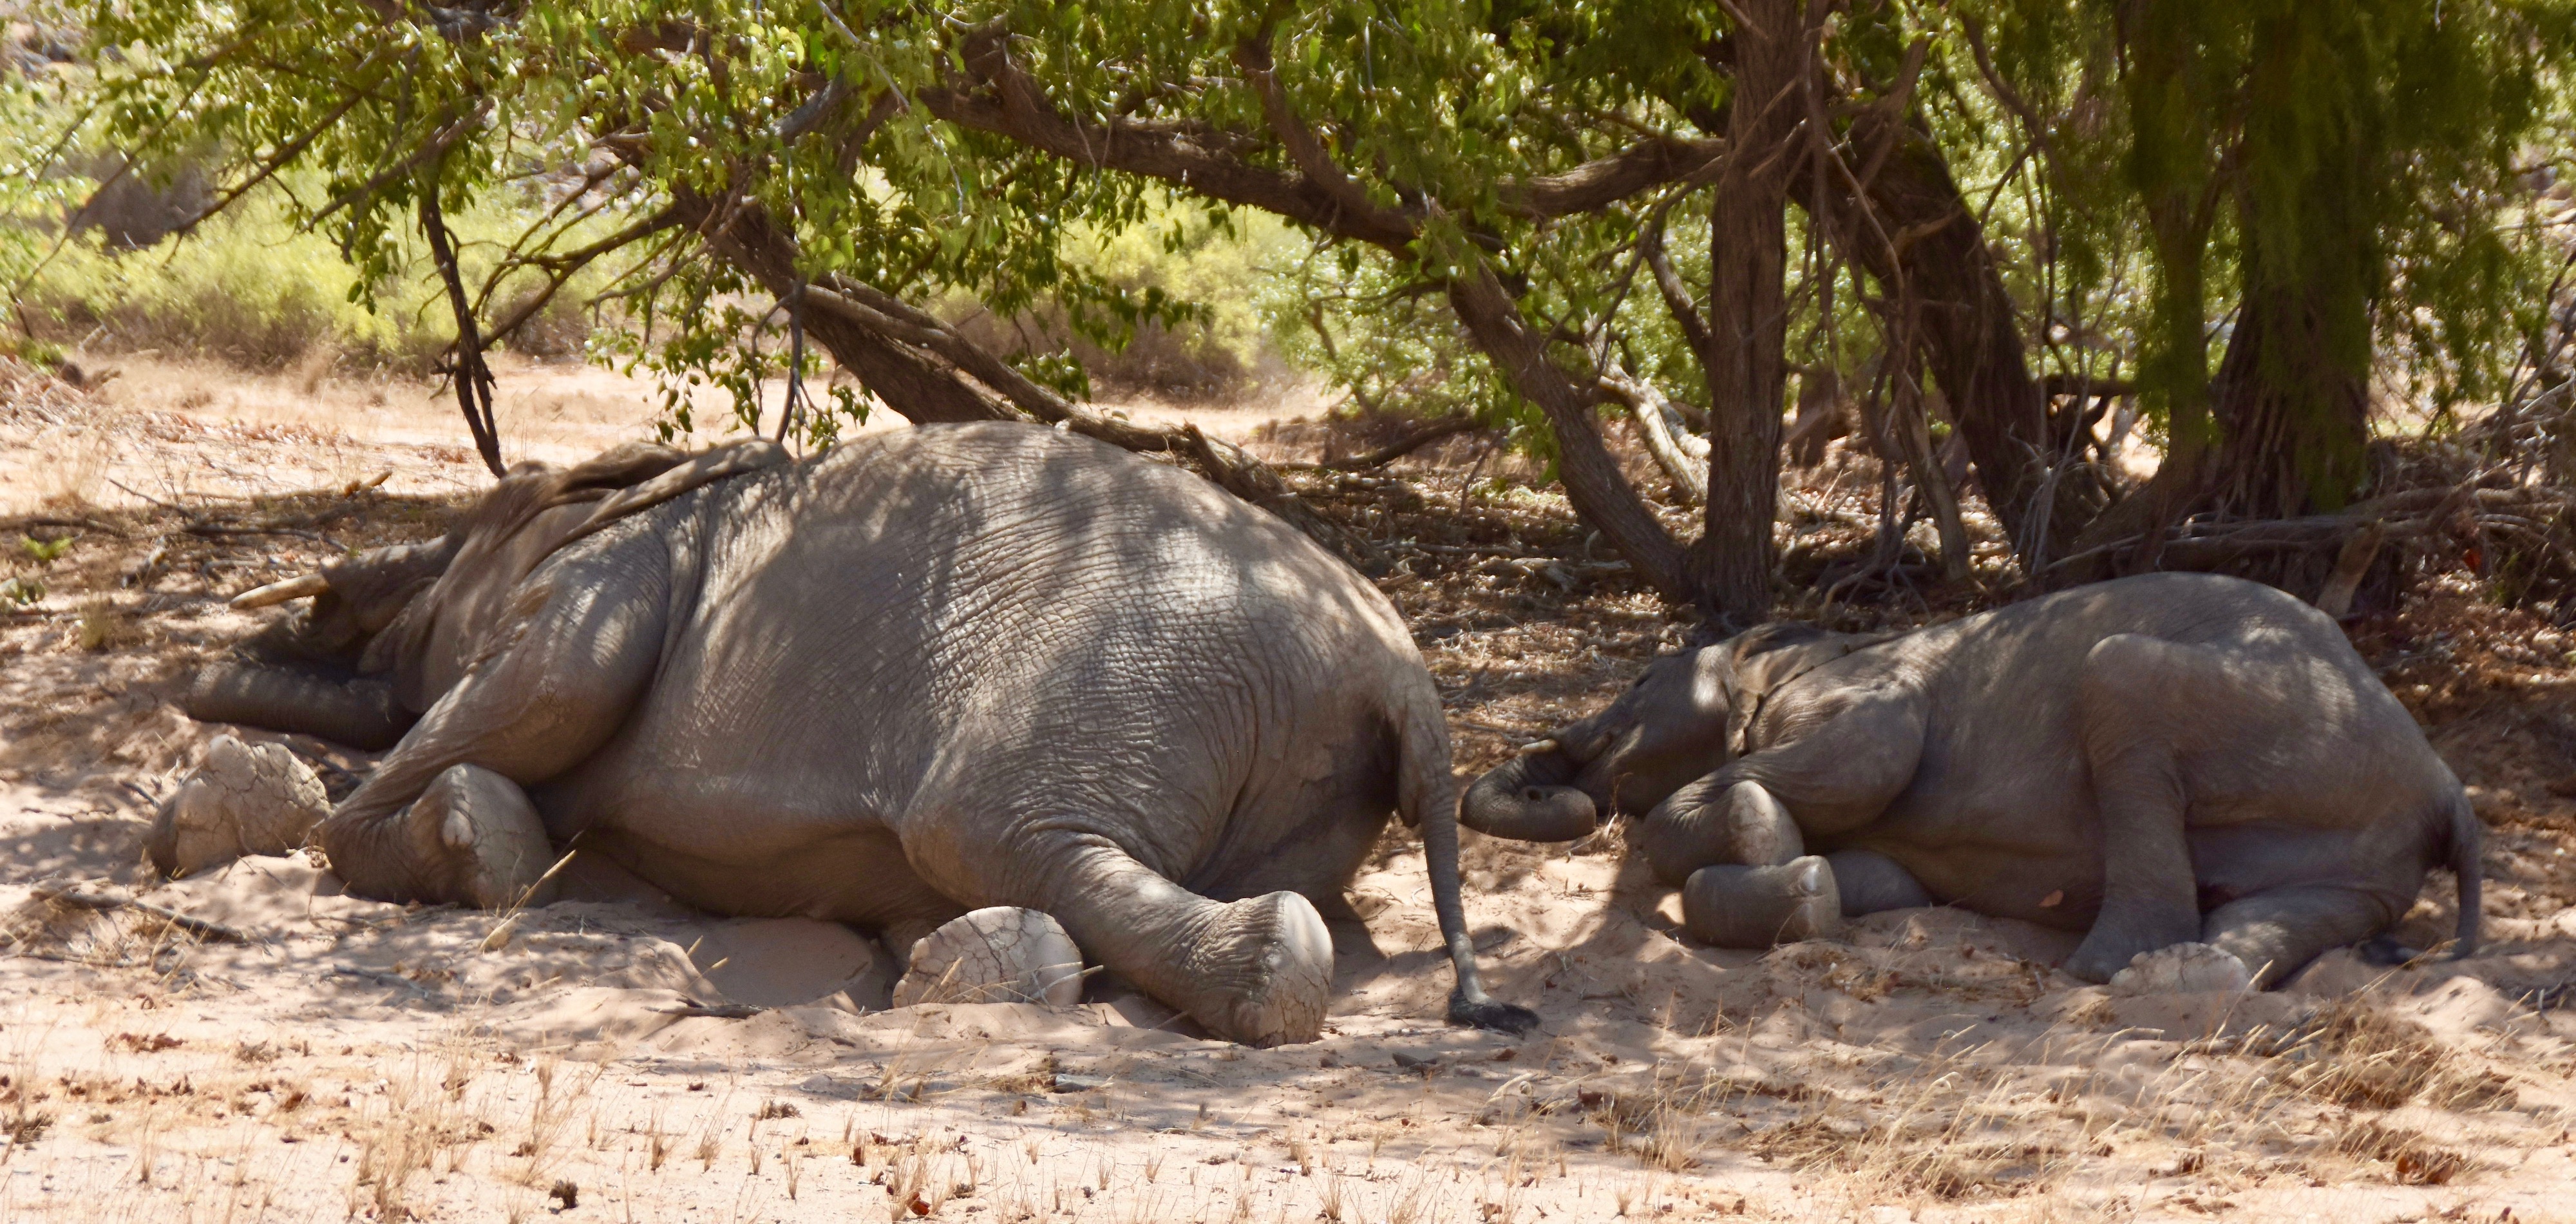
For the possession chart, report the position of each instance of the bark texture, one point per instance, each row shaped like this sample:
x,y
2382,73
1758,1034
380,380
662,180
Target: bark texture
x,y
1730,565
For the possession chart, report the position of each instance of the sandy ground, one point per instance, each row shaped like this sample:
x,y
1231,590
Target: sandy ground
x,y
617,1057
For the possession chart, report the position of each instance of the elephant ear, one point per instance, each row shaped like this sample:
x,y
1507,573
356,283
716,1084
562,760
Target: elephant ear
x,y
721,463
1765,659
612,471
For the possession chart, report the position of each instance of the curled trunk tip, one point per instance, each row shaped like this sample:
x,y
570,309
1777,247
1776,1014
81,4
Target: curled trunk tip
x,y
1527,799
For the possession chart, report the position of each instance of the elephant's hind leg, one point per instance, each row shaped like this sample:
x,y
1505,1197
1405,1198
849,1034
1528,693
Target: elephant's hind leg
x,y
1258,971
2149,898
2278,931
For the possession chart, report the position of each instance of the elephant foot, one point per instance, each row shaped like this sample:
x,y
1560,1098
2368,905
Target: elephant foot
x,y
1002,954
1700,826
2183,968
242,800
485,844
1756,907
2117,939
1266,971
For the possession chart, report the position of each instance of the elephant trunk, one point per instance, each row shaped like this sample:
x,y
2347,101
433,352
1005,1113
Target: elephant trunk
x,y
358,711
1531,798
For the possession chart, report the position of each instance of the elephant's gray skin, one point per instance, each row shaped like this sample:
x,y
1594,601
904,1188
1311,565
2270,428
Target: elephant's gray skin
x,y
930,671
2219,745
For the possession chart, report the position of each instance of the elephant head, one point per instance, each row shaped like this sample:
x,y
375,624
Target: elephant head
x,y
1682,719
391,629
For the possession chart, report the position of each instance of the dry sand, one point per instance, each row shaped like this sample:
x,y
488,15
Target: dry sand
x,y
616,1057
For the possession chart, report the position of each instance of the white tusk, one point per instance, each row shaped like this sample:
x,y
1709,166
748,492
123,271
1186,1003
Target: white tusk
x,y
1535,747
280,592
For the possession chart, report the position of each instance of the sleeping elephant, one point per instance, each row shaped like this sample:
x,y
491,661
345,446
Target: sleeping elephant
x,y
2155,760
932,670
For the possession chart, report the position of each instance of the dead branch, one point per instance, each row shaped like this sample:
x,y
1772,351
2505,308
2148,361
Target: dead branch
x,y
1683,457
1412,440
119,899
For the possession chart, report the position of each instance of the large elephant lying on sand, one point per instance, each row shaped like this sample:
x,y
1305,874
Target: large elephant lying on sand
x,y
2157,760
936,669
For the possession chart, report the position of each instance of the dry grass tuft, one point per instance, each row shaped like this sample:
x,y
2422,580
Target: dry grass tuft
x,y
401,1145
2412,1159
2359,1056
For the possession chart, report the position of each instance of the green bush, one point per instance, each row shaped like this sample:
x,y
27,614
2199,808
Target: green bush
x,y
1215,266
250,289
246,288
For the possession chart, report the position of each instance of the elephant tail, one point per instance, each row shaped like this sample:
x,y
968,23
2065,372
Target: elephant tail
x,y
1427,797
2468,840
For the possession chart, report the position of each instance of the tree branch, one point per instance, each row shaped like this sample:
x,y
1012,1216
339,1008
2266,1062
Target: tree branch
x,y
1677,298
1687,466
473,378
563,267
1593,482
1207,161
1303,148
1600,183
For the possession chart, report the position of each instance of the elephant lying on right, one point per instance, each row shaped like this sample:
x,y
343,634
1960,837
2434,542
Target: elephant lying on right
x,y
2156,760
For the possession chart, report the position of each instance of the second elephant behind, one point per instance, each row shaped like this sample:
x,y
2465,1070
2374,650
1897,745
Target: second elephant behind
x,y
2163,759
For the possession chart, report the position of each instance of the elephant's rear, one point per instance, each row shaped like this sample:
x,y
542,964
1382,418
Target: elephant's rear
x,y
2300,736
977,630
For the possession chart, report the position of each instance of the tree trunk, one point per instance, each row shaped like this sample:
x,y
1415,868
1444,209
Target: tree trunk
x,y
1926,244
2294,420
929,374
1730,564
915,385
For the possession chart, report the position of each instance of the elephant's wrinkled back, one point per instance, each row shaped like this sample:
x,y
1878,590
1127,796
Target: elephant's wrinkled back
x,y
916,613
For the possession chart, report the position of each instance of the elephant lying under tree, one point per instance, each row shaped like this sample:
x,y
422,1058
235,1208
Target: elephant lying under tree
x,y
2156,760
943,668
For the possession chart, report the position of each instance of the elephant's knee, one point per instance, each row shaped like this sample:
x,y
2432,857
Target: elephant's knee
x,y
1708,823
242,800
492,841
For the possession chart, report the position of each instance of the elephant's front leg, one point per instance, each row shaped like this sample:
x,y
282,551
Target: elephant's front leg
x,y
1735,839
442,819
472,838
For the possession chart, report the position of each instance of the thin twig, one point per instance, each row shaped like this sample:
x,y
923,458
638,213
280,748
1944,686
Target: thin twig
x,y
105,902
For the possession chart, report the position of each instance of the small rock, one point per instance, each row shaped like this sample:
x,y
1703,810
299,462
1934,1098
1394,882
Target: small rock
x,y
826,1086
2184,968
